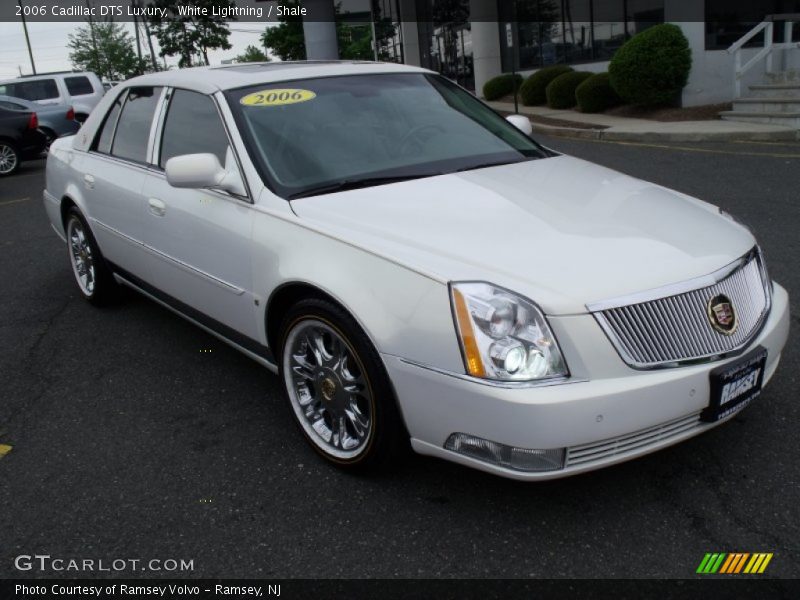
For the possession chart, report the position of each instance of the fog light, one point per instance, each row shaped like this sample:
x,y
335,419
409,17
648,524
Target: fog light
x,y
518,459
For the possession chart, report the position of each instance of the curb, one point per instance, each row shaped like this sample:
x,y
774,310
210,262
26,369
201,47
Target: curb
x,y
665,136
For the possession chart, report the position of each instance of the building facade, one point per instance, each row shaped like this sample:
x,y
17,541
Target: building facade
x,y
471,41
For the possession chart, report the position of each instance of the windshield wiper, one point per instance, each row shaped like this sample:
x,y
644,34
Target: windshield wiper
x,y
491,164
354,184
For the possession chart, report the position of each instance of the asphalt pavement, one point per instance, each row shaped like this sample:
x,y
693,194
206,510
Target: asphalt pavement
x,y
134,434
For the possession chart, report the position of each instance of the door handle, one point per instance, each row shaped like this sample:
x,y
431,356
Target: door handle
x,y
157,207
89,181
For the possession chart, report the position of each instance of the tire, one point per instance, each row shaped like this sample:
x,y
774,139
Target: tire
x,y
9,158
338,390
94,278
51,137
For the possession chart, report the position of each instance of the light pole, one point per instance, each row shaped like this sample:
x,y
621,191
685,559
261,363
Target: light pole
x,y
27,39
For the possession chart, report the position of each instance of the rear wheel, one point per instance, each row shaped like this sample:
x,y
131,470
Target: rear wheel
x,y
9,158
51,137
338,389
94,278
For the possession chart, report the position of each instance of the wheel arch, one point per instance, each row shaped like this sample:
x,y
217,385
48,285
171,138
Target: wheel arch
x,y
289,293
66,203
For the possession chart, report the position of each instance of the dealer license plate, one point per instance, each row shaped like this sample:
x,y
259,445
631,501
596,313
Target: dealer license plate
x,y
735,385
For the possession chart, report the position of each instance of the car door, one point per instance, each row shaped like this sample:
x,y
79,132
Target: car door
x,y
113,174
200,238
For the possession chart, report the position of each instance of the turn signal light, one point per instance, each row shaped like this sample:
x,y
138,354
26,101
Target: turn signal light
x,y
471,351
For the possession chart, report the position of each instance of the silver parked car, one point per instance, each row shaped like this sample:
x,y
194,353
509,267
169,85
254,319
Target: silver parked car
x,y
54,121
81,90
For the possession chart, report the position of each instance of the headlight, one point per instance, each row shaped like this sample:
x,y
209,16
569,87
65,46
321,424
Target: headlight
x,y
504,336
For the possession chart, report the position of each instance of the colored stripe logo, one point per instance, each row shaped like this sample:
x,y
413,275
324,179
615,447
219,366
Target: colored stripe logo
x,y
733,563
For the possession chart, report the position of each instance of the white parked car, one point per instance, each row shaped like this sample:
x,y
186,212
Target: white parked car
x,y
415,267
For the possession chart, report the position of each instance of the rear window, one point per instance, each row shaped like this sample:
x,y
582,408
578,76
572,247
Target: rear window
x,y
78,86
40,89
103,142
11,105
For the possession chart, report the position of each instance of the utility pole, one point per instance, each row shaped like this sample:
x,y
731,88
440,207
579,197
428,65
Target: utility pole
x,y
372,23
27,39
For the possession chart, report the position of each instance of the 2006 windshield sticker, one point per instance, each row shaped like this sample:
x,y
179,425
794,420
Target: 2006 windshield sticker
x,y
277,97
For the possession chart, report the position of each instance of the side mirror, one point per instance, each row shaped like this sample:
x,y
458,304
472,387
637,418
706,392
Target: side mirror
x,y
521,122
204,171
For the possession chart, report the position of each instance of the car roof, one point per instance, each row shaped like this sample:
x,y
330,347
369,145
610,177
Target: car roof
x,y
211,79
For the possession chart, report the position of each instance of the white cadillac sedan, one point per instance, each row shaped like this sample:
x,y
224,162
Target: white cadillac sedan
x,y
415,267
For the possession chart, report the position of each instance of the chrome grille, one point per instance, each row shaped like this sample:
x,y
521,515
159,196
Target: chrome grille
x,y
597,451
675,328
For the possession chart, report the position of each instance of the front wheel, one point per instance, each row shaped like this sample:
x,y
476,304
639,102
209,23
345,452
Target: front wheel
x,y
95,281
338,389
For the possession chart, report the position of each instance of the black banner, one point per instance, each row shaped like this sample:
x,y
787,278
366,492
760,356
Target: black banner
x,y
720,588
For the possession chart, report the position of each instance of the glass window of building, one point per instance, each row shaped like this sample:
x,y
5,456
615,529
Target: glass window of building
x,y
728,20
553,32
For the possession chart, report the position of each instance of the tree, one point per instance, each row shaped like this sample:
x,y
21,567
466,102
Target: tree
x,y
286,39
105,49
252,54
189,33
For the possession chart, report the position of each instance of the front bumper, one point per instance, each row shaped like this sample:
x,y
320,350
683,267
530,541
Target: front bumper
x,y
605,414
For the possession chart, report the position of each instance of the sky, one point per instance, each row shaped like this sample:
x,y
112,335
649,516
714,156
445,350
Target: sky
x,y
50,52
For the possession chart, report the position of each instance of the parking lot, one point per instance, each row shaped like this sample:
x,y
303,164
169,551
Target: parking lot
x,y
136,435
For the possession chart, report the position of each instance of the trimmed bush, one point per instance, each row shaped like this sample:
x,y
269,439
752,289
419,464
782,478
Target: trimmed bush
x,y
500,86
596,94
533,91
561,91
652,67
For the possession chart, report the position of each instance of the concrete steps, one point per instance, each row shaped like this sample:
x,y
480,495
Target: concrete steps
x,y
776,102
787,119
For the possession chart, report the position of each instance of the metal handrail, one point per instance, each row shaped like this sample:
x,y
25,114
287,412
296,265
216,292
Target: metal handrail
x,y
767,26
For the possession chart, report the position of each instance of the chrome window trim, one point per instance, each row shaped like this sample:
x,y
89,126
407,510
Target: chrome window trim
x,y
154,125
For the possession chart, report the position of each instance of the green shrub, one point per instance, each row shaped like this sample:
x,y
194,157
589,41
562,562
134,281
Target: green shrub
x,y
533,91
561,91
500,86
596,94
652,67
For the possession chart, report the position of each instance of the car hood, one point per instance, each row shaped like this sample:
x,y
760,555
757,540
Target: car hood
x,y
562,231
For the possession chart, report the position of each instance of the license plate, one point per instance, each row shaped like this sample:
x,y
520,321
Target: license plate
x,y
735,385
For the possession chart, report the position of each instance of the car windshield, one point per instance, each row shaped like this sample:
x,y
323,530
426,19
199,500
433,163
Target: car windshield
x,y
317,136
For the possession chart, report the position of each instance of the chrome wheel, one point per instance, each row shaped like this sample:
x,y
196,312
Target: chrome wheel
x,y
8,159
328,389
81,256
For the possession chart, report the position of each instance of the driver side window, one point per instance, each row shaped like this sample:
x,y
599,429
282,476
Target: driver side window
x,y
192,126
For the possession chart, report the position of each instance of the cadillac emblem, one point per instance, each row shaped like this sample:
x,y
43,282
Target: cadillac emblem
x,y
722,315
